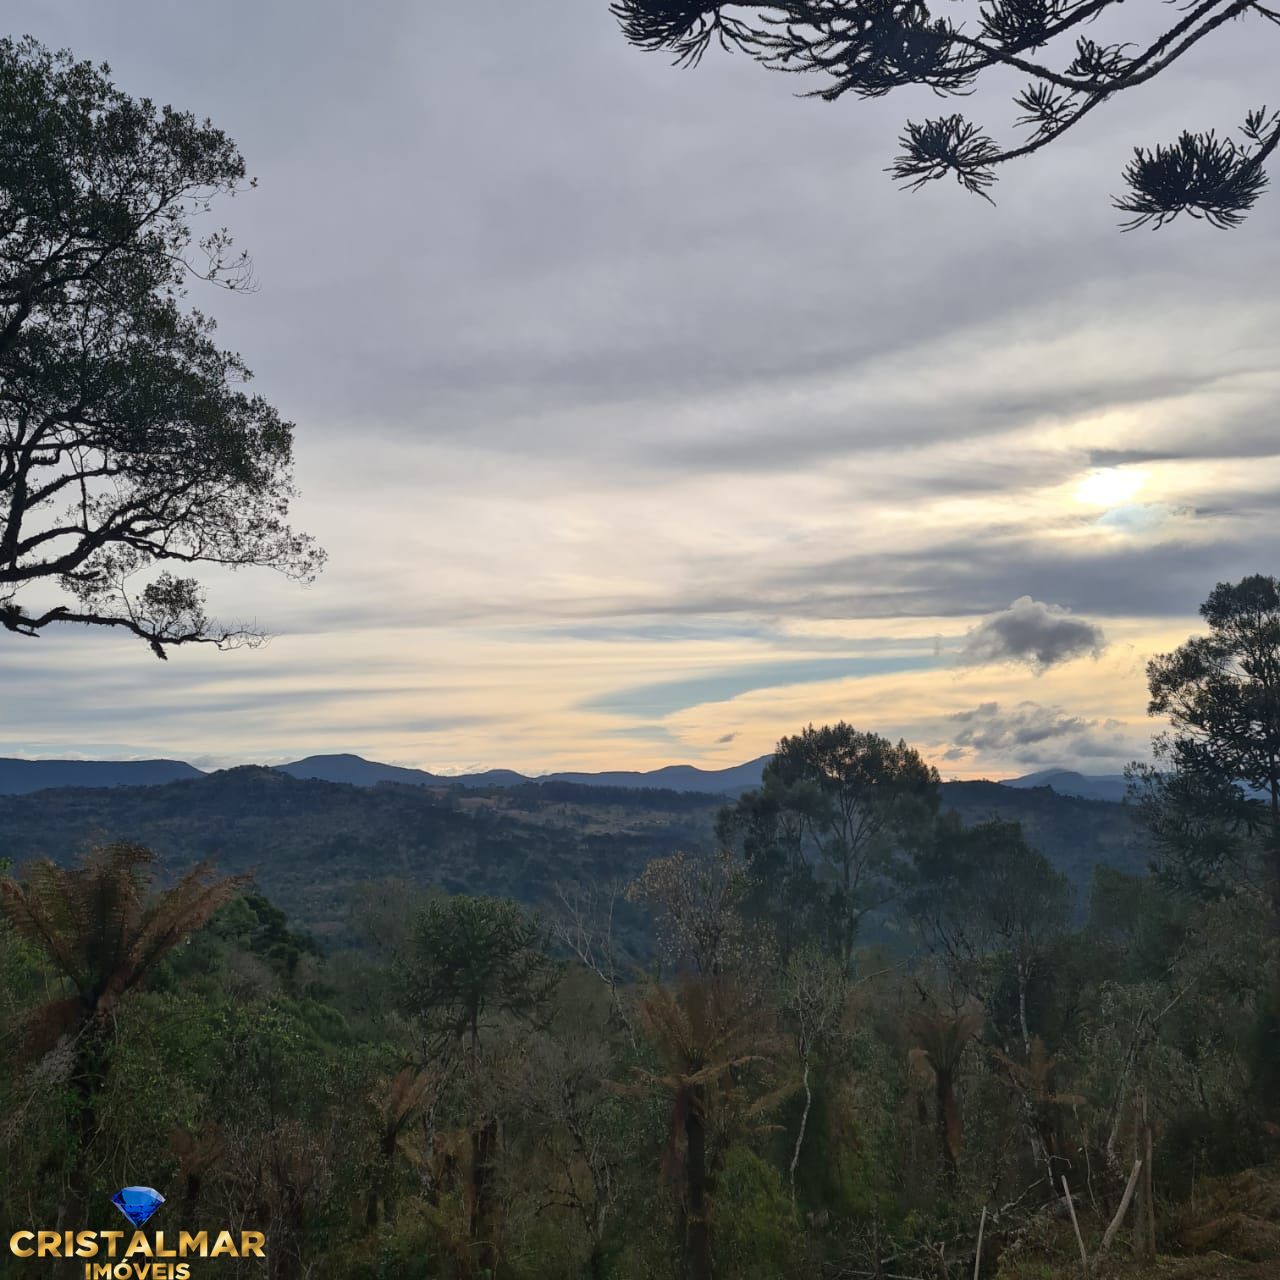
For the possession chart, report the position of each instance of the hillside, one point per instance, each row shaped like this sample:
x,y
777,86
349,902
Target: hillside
x,y
1073,832
310,841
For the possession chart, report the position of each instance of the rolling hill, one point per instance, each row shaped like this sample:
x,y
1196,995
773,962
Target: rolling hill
x,y
310,841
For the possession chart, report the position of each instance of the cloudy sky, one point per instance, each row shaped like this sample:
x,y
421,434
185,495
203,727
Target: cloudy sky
x,y
645,421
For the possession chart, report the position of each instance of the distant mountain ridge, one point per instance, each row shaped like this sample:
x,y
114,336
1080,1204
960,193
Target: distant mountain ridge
x,y
310,842
20,777
673,777
1066,782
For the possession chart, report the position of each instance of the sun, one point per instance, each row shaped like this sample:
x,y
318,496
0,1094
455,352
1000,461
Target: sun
x,y
1110,486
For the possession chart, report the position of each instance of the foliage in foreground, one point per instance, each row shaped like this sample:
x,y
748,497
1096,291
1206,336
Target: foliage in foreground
x,y
869,48
470,1092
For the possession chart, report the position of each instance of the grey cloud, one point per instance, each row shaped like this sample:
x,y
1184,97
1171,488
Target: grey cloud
x,y
1032,735
1164,578
522,236
501,247
987,728
1032,632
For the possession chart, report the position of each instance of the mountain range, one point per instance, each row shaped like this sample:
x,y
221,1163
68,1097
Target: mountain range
x,y
318,847
20,777
1066,782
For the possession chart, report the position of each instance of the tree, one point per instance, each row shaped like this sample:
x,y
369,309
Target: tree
x,y
1214,808
468,957
767,831
983,891
815,990
395,1103
707,1031
844,806
869,48
564,1096
941,1041
105,934
695,904
126,441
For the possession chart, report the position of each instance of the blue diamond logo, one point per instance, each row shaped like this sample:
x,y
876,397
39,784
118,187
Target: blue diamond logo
x,y
137,1203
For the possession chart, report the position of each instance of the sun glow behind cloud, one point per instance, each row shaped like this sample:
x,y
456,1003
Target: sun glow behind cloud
x,y
1110,486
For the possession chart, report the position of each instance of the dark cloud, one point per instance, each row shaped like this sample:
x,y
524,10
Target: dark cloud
x,y
1031,734
1168,577
987,728
1032,632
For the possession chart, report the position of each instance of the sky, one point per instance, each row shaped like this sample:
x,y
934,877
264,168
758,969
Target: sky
x,y
645,421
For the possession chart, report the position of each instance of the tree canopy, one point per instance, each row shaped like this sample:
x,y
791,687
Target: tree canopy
x,y
1214,806
868,48
127,441
468,956
828,830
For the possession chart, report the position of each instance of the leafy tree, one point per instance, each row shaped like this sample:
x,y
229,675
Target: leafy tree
x,y
395,1103
843,807
104,933
1214,806
767,829
469,957
126,441
983,891
757,1234
581,1127
869,48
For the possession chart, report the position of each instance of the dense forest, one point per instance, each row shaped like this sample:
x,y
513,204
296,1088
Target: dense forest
x,y
1015,1079
309,843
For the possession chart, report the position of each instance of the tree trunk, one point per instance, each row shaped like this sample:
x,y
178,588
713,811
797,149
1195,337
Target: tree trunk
x,y
1023,978
948,1122
804,1124
597,1265
698,1228
89,1079
484,1140
1141,1204
380,1185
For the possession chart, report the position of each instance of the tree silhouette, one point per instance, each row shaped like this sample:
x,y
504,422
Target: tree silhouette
x,y
1214,808
983,890
126,442
869,48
